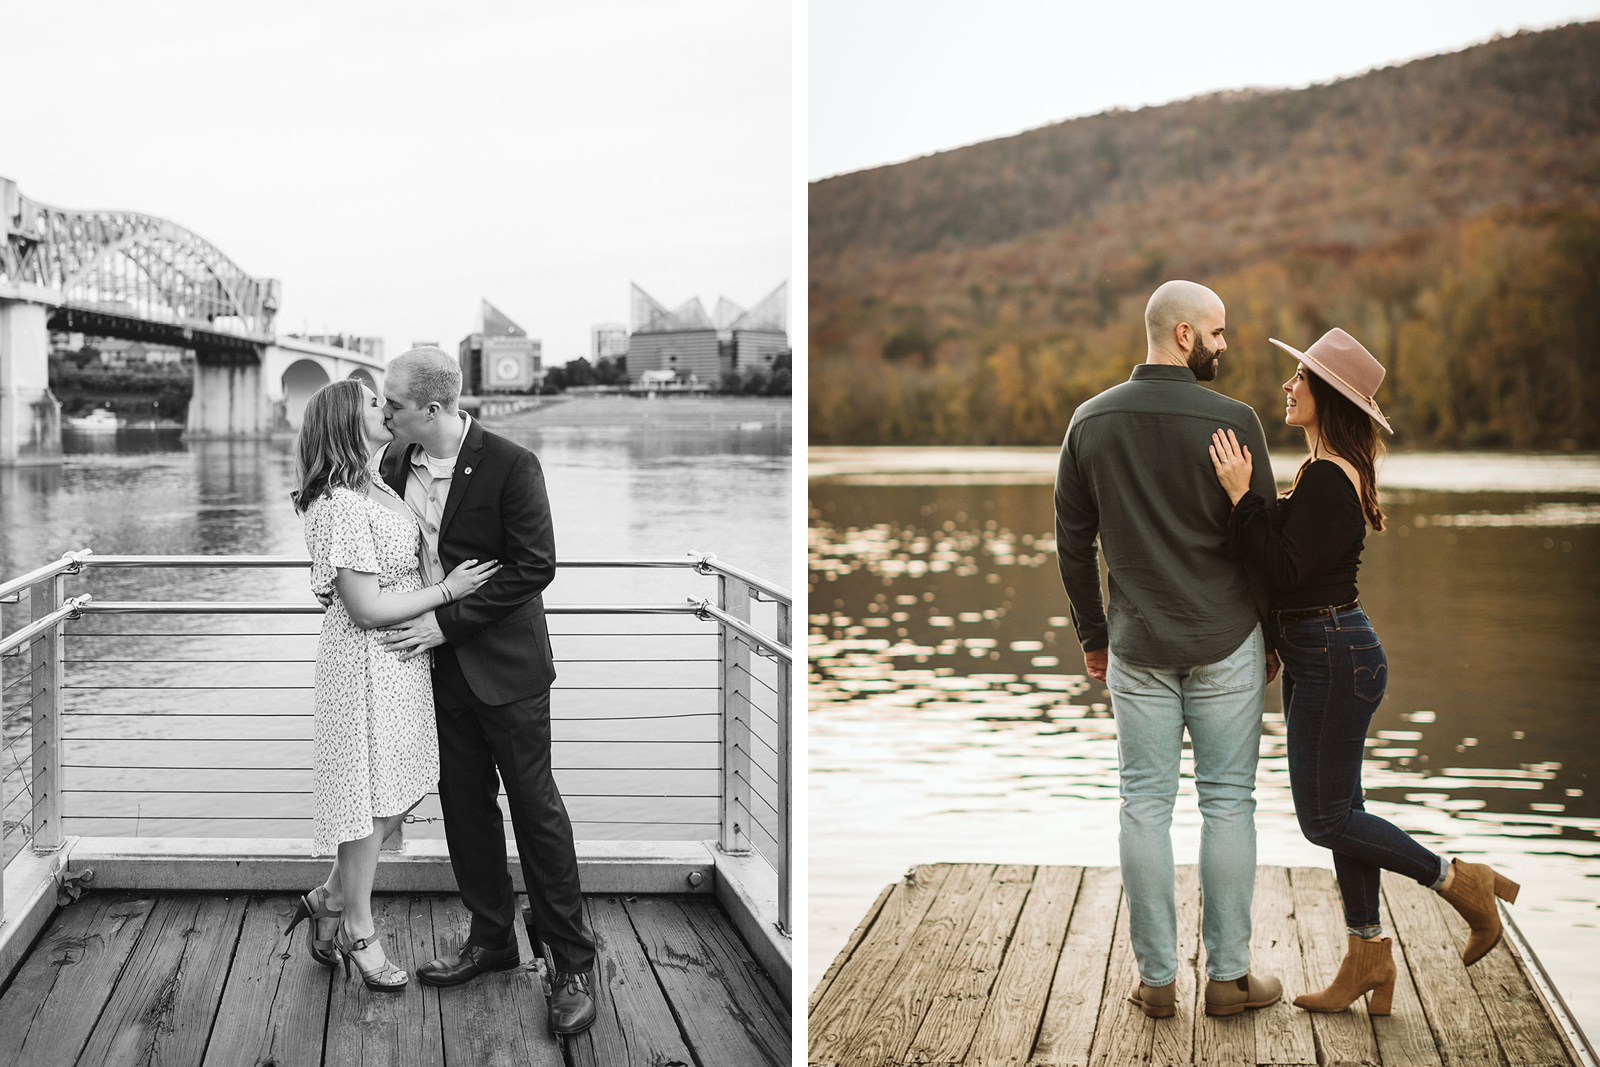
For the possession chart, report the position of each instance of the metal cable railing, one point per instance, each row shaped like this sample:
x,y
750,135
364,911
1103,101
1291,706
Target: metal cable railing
x,y
648,741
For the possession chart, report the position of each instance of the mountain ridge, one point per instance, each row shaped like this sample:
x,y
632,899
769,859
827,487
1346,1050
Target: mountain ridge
x,y
1045,243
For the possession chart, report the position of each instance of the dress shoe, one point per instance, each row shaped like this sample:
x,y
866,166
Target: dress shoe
x,y
571,1003
1251,991
1368,965
1156,1001
1472,893
467,964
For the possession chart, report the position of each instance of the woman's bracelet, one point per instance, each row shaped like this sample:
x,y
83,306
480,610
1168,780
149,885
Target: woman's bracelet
x,y
445,590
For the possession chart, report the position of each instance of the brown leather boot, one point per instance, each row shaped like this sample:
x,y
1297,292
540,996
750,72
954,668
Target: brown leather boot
x,y
1251,991
1156,1001
1368,965
1472,893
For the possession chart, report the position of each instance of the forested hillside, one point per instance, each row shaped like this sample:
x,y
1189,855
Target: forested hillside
x,y
1446,212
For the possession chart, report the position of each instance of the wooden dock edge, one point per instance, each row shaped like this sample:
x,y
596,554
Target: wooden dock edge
x,y
30,901
745,886
747,889
1572,1034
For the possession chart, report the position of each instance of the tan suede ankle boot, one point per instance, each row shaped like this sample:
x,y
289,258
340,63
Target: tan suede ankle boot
x,y
1472,893
1368,965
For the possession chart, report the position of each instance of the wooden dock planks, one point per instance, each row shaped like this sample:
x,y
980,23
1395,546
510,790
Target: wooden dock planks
x,y
199,979
58,993
930,958
275,1005
728,1009
160,1009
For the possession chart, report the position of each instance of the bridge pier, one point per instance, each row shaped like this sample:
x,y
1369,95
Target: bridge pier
x,y
30,415
229,396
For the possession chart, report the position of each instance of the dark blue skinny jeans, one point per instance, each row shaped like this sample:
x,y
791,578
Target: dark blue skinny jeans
x,y
1334,675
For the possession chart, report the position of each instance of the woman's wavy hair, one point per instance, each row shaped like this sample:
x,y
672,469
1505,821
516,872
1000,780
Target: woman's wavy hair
x,y
331,450
1348,432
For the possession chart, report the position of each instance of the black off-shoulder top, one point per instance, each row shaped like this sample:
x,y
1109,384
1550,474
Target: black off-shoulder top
x,y
1309,543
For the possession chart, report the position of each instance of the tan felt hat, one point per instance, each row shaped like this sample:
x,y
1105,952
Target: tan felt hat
x,y
1341,361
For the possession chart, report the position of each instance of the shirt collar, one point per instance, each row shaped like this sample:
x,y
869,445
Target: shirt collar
x,y
1162,372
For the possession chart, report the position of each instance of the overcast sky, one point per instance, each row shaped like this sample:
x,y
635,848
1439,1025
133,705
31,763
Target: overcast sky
x,y
395,162
890,80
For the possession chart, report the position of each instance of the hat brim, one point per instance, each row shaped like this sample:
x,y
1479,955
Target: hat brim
x,y
1344,390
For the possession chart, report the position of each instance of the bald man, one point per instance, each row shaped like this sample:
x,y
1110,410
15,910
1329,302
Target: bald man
x,y
1180,643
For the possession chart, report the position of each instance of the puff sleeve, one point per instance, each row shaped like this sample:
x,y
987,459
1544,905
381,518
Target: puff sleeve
x,y
339,534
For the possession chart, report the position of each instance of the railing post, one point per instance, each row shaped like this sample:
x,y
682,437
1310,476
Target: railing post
x,y
46,708
733,597
785,721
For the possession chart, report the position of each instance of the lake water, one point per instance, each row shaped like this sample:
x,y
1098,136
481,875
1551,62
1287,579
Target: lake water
x,y
950,718
148,692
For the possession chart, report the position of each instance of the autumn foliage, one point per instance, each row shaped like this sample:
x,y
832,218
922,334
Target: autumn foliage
x,y
1445,212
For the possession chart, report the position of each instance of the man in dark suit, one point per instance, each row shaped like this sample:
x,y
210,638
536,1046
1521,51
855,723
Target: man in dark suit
x,y
481,496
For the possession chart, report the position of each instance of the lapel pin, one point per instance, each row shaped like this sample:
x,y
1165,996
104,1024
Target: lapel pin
x,y
467,471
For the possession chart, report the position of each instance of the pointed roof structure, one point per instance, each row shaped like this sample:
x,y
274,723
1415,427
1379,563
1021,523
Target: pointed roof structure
x,y
649,316
497,323
770,313
727,313
646,308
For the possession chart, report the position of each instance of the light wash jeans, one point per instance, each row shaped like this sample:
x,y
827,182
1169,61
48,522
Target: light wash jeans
x,y
1220,703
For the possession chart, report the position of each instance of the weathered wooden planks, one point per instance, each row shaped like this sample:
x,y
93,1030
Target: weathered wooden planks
x,y
634,1027
368,1028
917,972
1021,987
1283,1032
961,991
51,1006
275,1004
161,1008
851,999
729,1011
1079,984
191,979
1344,1037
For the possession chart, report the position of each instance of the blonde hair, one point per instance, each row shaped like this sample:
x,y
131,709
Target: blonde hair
x,y
331,451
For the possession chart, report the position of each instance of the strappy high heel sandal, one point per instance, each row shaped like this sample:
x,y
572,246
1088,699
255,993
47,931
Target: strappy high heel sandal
x,y
311,906
384,978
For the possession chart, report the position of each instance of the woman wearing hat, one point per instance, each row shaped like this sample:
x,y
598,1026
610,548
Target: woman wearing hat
x,y
1308,543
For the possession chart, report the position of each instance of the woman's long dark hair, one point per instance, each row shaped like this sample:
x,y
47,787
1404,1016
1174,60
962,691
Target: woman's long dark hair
x,y
331,450
1349,433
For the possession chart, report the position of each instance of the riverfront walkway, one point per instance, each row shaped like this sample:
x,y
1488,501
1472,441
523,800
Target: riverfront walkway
x,y
210,979
1020,965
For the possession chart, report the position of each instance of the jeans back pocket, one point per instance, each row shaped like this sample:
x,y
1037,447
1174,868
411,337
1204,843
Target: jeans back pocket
x,y
1369,669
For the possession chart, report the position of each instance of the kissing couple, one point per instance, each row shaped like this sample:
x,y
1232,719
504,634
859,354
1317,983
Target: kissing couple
x,y
431,546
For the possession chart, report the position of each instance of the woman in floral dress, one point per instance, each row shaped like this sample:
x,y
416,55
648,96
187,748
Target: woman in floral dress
x,y
376,750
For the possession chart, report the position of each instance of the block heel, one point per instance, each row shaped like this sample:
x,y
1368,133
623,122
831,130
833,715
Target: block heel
x,y
1505,888
1382,1001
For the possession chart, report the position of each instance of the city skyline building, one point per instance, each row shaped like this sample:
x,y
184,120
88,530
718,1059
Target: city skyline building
x,y
607,340
500,357
695,347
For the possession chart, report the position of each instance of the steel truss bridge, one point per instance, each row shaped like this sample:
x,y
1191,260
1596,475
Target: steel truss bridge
x,y
138,277
123,274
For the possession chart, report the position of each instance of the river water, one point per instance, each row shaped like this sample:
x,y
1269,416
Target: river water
x,y
635,706
950,719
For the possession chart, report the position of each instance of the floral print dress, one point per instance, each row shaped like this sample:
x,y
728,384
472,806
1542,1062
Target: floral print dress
x,y
376,748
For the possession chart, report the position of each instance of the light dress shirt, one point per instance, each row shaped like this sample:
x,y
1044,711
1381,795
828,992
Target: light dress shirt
x,y
427,489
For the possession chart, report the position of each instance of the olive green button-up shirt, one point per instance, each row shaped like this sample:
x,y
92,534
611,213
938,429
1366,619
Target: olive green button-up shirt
x,y
1136,476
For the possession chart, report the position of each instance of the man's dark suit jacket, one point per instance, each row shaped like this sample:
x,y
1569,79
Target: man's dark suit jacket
x,y
497,509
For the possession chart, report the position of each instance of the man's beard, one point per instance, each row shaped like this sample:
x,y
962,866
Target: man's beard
x,y
1202,361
